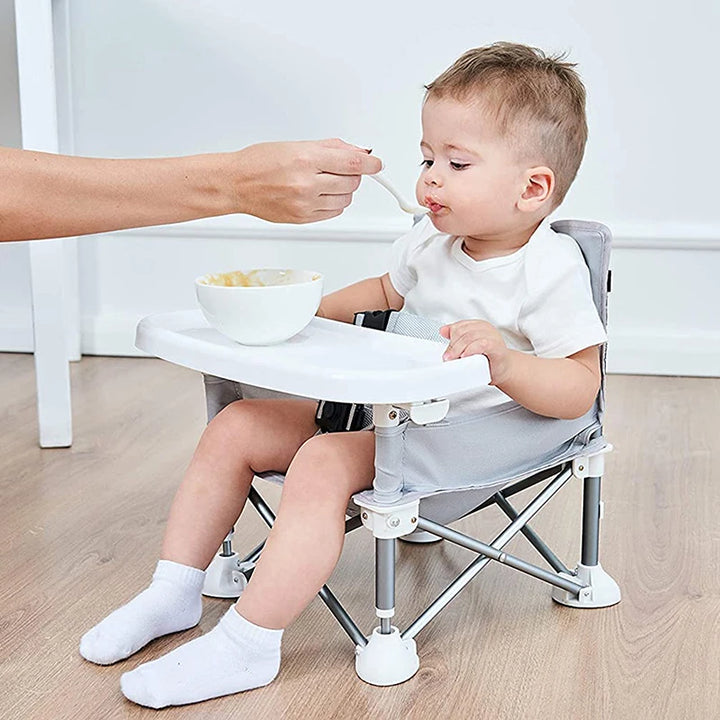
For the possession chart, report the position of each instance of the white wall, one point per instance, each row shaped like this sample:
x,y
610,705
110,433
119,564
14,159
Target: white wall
x,y
152,78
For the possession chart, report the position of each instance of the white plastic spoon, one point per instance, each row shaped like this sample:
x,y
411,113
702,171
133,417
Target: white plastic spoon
x,y
405,206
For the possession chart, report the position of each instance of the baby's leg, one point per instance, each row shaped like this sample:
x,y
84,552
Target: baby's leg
x,y
307,537
247,437
243,650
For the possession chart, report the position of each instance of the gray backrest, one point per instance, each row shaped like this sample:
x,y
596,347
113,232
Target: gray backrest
x,y
594,240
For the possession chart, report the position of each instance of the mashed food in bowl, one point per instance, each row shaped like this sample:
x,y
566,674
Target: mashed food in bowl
x,y
253,278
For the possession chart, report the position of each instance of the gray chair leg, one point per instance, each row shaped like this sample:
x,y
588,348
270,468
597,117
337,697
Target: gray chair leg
x,y
385,583
387,659
591,521
599,590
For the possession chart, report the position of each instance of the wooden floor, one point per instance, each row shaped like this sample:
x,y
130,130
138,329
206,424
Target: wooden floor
x,y
80,530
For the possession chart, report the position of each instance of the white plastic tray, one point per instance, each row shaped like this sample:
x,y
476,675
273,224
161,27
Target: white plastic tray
x,y
328,360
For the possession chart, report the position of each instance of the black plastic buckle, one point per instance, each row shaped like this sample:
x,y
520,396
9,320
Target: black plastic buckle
x,y
375,319
346,417
339,417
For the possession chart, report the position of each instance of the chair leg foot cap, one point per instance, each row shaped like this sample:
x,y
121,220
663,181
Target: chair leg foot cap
x,y
387,659
600,589
224,577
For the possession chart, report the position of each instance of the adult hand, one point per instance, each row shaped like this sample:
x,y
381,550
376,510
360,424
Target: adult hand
x,y
478,337
299,182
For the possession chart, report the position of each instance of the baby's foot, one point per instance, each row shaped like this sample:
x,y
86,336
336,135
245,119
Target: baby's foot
x,y
234,656
171,603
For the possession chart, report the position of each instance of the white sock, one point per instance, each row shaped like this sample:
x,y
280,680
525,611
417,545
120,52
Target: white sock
x,y
172,602
235,655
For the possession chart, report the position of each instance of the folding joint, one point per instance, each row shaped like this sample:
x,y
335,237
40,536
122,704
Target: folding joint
x,y
591,465
580,468
385,416
423,413
391,521
585,467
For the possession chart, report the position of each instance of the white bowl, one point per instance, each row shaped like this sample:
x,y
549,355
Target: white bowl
x,y
260,307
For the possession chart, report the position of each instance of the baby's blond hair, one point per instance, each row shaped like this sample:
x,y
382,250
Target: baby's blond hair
x,y
537,100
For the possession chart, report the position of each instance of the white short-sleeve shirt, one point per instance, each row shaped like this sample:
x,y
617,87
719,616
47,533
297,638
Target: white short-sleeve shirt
x,y
539,297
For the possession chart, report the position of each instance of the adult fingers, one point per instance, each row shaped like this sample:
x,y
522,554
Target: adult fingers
x,y
342,145
323,215
333,202
346,161
327,184
314,216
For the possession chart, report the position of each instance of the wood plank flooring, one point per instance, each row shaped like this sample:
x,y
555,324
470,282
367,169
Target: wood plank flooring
x,y
80,530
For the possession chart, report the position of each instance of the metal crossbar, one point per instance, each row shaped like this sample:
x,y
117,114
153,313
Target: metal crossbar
x,y
498,555
442,600
535,540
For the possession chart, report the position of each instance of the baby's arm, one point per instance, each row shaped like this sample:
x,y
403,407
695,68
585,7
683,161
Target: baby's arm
x,y
554,387
372,294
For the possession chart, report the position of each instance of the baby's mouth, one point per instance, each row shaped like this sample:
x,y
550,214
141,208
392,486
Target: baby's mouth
x,y
433,206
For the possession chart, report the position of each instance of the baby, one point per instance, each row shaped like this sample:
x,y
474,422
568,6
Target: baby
x,y
503,135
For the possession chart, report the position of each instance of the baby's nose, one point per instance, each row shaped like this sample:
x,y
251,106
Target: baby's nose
x,y
432,179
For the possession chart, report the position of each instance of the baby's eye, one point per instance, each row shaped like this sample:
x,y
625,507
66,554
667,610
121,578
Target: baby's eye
x,y
427,163
459,166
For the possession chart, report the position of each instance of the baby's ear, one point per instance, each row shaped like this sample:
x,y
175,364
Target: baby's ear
x,y
539,186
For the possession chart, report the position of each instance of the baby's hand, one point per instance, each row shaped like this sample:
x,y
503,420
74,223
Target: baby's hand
x,y
477,337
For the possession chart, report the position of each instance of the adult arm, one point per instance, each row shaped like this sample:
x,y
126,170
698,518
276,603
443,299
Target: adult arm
x,y
47,196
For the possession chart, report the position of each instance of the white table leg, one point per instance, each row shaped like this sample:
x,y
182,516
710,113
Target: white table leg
x,y
72,300
51,349
38,109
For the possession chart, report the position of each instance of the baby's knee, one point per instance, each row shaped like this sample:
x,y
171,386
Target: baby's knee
x,y
238,411
237,417
317,453
324,468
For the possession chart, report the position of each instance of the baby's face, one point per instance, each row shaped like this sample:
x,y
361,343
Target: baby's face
x,y
471,179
